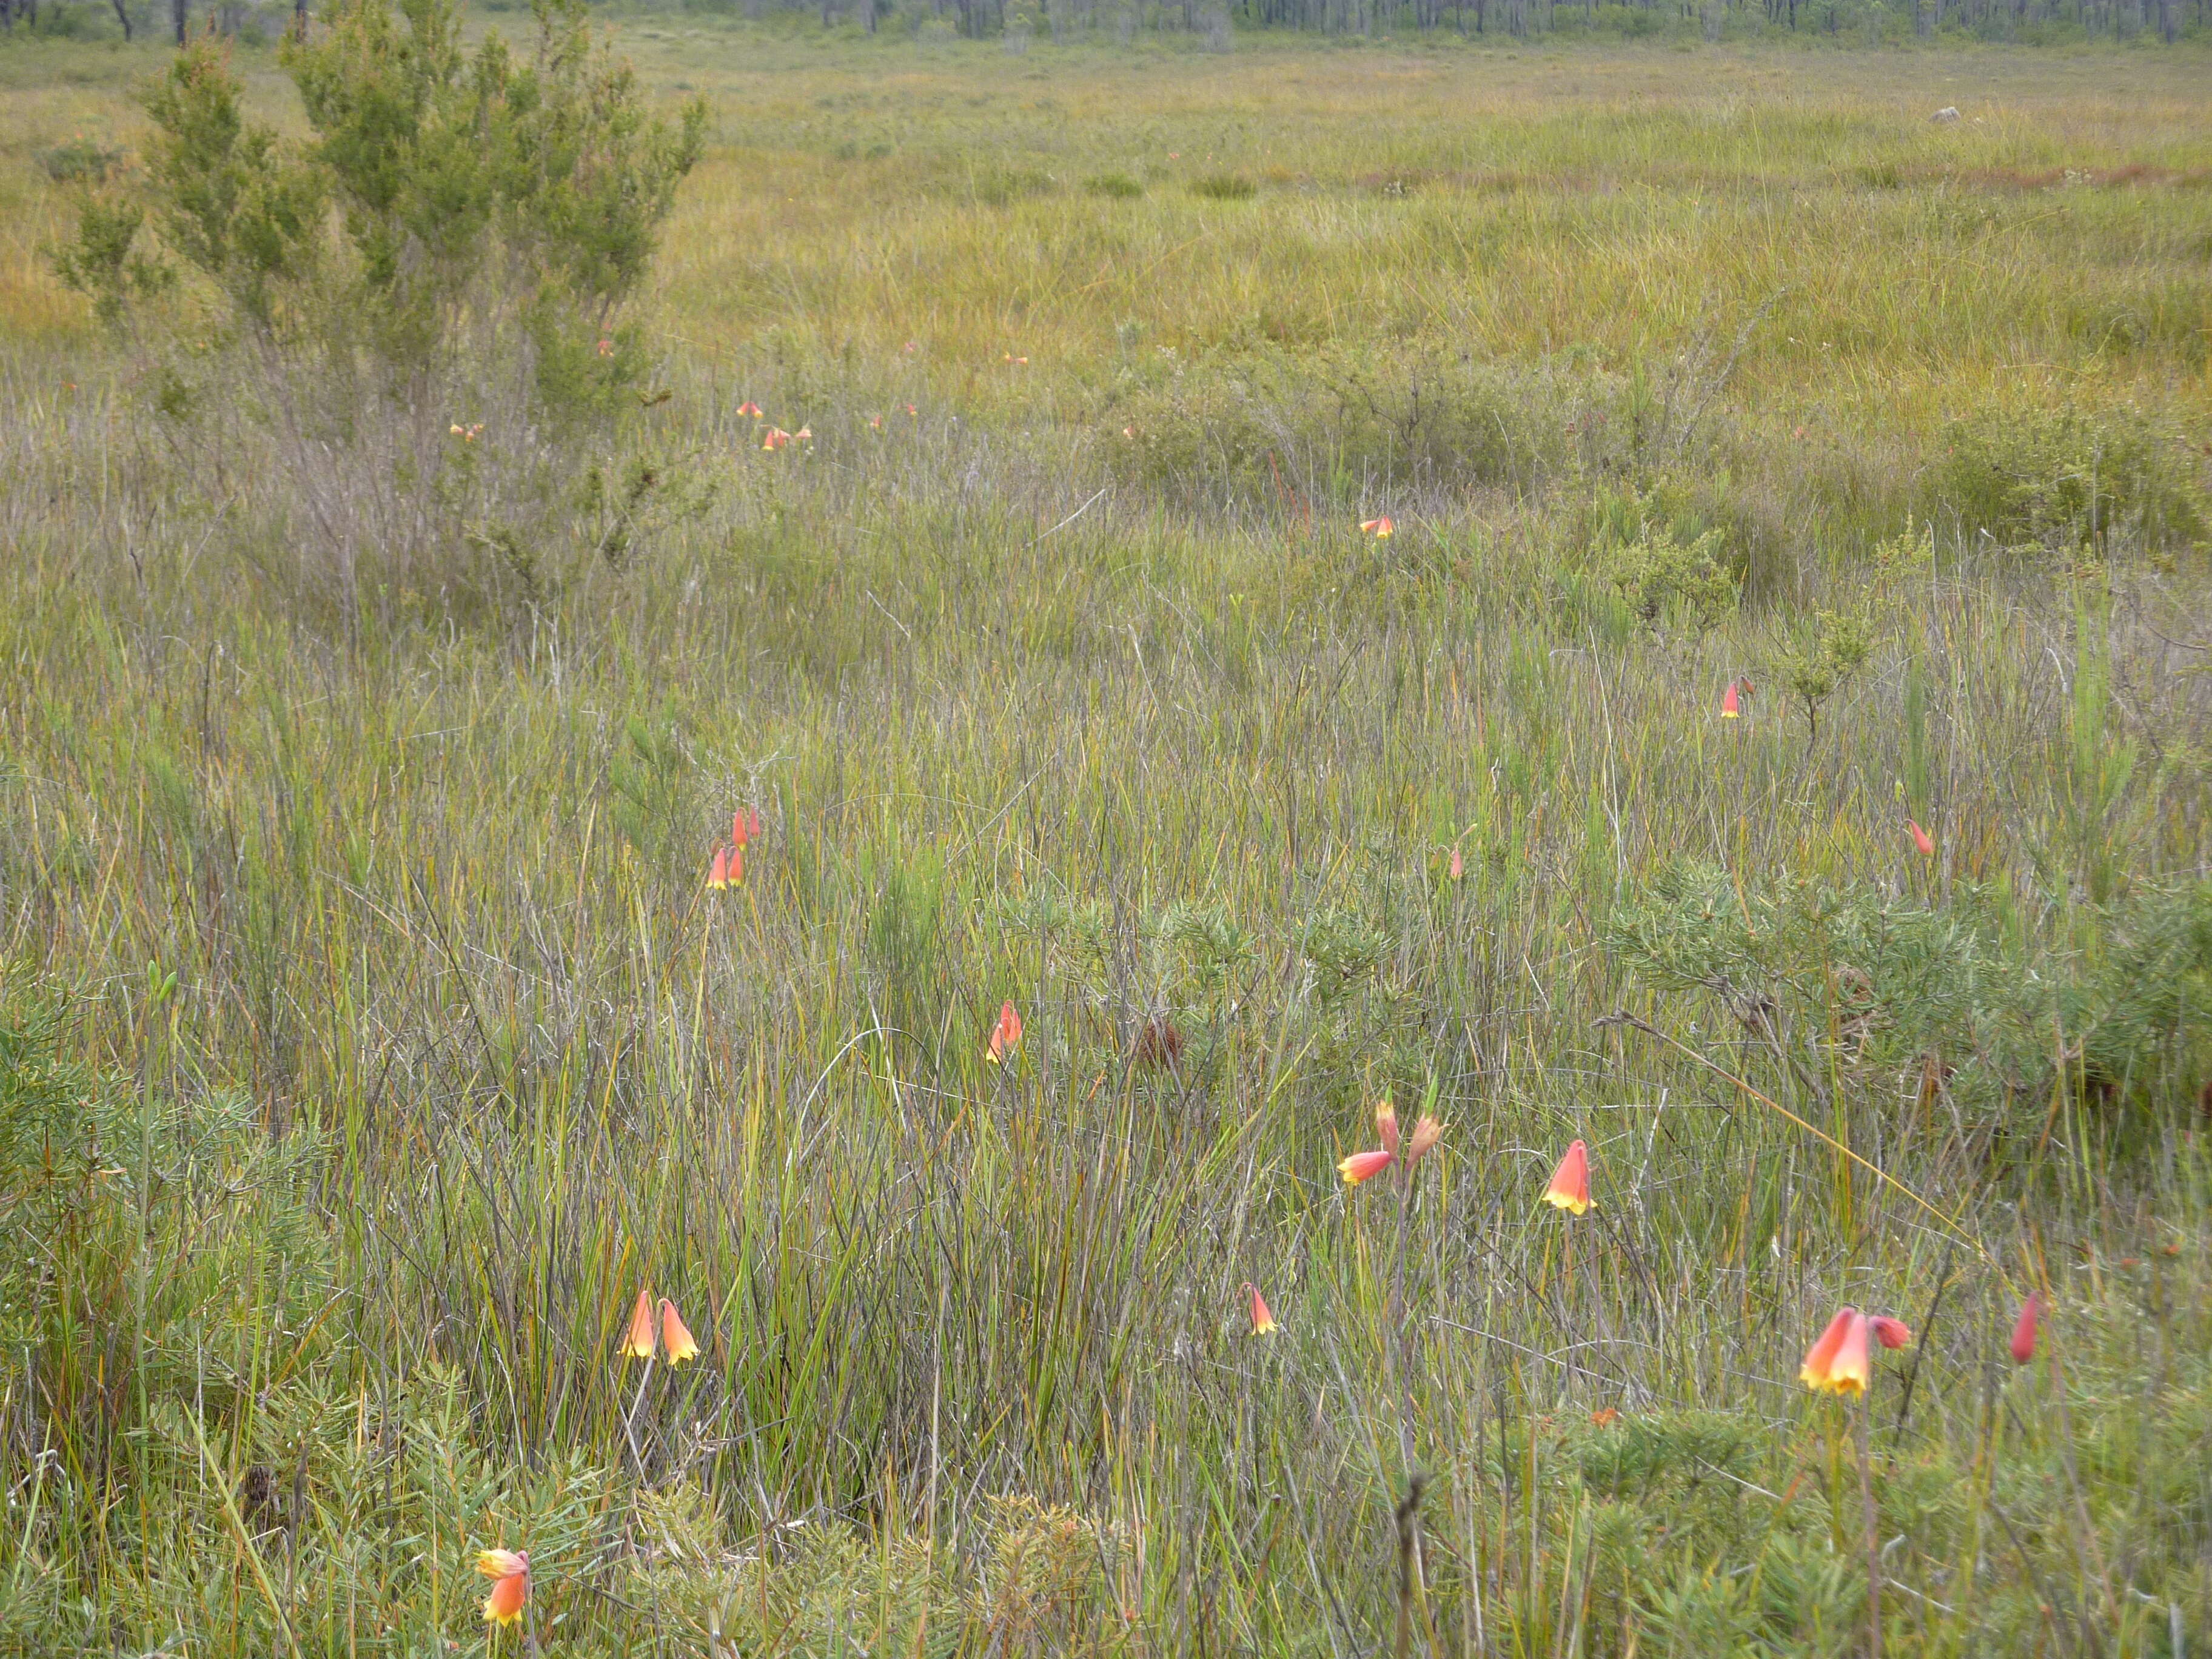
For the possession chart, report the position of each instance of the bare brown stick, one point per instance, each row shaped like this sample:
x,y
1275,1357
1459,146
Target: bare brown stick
x,y
1409,1544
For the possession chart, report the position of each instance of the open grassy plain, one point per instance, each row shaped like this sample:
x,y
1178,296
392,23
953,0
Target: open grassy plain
x,y
1059,671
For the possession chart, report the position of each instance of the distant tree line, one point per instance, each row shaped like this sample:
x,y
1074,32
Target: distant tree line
x,y
224,17
2025,19
2029,20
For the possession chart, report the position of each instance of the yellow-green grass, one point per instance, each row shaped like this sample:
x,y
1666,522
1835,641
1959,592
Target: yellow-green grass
x,y
461,1053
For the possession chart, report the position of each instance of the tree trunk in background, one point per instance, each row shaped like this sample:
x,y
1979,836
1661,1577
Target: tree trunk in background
x,y
122,16
180,13
868,15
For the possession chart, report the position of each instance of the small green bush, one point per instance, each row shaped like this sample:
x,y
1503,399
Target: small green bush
x,y
1665,581
2071,478
1906,997
184,1228
1118,185
1817,656
1224,187
81,161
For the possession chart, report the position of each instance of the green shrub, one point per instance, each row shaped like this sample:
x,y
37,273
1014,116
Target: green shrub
x,y
185,1230
81,161
1224,187
101,262
546,175
1896,997
2072,477
1119,184
1664,581
1817,655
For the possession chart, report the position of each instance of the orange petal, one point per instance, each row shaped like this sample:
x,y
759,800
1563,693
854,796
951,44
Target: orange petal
x,y
1386,1124
1005,1036
1363,1166
1570,1188
1820,1357
1891,1333
2024,1330
504,1605
1458,864
1852,1367
1728,709
1921,839
638,1344
673,1333
503,1563
1426,1133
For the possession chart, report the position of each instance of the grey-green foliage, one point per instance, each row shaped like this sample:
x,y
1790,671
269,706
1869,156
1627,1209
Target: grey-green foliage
x,y
529,189
103,263
1888,990
232,1255
1203,942
446,163
648,777
1667,580
2071,477
1278,412
363,1500
1343,953
1818,655
2136,1001
229,196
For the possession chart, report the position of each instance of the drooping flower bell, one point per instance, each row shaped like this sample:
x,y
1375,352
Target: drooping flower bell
x,y
509,1572
1263,1322
1570,1188
1838,1362
1363,1166
638,1344
1841,1361
675,1335
1005,1036
2024,1330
